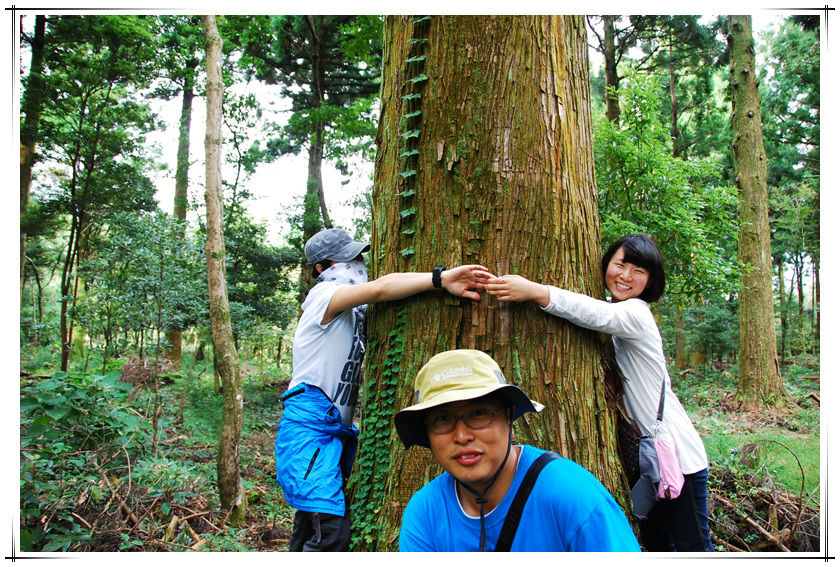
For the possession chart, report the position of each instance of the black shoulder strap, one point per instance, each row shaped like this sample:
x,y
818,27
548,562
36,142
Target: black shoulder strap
x,y
515,513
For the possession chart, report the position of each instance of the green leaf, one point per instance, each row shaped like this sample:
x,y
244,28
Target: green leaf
x,y
411,134
407,251
410,153
415,59
418,78
407,174
417,40
50,385
408,212
412,96
412,114
408,193
57,413
28,403
418,20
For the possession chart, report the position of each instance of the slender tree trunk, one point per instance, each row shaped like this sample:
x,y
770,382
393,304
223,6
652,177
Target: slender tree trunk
x,y
231,491
32,104
799,271
816,306
760,381
497,131
680,359
315,212
174,338
611,69
783,312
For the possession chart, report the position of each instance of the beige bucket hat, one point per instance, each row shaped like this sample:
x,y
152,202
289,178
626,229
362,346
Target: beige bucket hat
x,y
455,376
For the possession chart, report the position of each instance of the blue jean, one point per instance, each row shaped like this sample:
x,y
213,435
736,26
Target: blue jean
x,y
681,524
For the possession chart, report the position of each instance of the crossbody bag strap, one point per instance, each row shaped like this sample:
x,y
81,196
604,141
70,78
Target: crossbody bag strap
x,y
661,402
515,512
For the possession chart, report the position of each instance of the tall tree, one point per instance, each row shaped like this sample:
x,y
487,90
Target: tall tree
x,y
32,104
471,170
684,53
790,101
618,37
328,67
231,490
760,381
93,130
182,39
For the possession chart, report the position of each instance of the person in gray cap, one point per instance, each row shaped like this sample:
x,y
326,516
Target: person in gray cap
x,y
316,437
494,495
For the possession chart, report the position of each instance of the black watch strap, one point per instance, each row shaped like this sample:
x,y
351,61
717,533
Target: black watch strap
x,y
436,281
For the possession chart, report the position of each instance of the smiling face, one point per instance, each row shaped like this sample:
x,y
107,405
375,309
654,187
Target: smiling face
x,y
625,280
471,455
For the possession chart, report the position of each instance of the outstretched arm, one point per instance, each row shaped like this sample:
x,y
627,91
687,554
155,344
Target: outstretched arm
x,y
460,281
516,288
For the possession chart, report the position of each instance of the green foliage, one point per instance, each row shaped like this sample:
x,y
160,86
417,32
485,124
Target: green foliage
x,y
789,439
643,188
790,101
259,275
686,57
713,328
337,91
85,412
146,276
69,425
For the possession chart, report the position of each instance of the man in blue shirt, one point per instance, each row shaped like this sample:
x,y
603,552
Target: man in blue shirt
x,y
464,413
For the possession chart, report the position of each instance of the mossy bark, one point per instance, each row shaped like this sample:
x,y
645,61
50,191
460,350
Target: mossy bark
x,y
760,382
231,493
484,156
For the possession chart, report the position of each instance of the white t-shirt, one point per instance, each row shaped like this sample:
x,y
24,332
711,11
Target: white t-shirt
x,y
638,351
330,356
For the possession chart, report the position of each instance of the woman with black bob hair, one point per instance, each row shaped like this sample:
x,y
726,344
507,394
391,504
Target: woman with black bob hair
x,y
634,276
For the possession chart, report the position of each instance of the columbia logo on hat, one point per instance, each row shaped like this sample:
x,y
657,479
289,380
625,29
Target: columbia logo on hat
x,y
452,372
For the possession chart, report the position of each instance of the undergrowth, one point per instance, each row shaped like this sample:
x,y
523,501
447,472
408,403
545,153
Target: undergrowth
x,y
92,479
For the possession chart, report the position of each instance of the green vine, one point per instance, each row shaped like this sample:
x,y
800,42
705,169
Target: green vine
x,y
409,130
372,464
368,484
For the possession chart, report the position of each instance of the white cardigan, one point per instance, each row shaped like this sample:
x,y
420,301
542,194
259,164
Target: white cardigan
x,y
638,351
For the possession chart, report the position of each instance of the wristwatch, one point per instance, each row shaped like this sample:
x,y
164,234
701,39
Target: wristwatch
x,y
436,282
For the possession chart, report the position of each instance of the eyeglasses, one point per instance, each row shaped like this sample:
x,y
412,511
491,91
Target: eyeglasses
x,y
475,419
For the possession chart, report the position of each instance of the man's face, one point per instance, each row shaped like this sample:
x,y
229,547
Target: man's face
x,y
472,455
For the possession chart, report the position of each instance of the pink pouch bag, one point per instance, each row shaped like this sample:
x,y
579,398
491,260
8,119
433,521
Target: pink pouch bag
x,y
671,478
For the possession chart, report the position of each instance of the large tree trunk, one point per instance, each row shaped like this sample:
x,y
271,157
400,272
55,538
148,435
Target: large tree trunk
x,y
230,483
760,382
484,156
182,180
32,104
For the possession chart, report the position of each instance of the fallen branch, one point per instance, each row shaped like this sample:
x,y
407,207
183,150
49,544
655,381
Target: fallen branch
x,y
82,520
755,525
123,505
727,545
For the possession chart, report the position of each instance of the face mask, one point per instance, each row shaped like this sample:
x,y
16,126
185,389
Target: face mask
x,y
352,272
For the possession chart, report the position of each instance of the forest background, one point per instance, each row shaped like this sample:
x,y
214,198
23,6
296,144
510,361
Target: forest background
x,y
119,430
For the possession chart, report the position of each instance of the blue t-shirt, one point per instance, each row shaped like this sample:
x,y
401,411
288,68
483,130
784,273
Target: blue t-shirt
x,y
568,510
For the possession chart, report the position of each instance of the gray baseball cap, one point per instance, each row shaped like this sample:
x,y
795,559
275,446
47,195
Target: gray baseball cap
x,y
333,244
